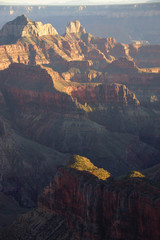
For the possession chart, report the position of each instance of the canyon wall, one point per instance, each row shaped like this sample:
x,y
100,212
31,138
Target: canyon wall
x,y
75,102
94,209
103,94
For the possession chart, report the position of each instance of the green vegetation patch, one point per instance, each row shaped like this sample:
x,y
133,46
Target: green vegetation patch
x,y
84,164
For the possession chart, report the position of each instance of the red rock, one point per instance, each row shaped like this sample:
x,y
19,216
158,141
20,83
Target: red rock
x,y
74,28
29,87
104,44
103,94
128,209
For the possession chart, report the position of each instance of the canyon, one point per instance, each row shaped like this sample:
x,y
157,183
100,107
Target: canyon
x,y
78,95
128,23
96,209
93,206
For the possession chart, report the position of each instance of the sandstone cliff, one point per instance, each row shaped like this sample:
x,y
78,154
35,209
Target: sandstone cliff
x,y
97,210
79,119
122,65
34,43
23,27
75,27
145,55
32,88
103,95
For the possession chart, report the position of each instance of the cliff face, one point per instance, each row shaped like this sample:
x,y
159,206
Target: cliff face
x,y
122,65
98,210
145,55
28,100
32,88
78,120
34,43
23,27
102,94
75,27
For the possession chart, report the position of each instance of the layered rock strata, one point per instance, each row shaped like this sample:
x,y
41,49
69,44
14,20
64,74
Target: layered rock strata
x,y
103,94
94,209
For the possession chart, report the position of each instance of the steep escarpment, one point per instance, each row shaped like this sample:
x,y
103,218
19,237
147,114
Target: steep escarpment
x,y
124,209
75,27
128,23
23,27
103,94
145,55
122,65
79,119
29,88
29,42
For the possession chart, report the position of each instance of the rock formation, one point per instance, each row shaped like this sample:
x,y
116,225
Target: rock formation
x,y
128,23
84,95
145,55
23,27
122,65
32,88
35,43
94,209
75,27
103,95
32,100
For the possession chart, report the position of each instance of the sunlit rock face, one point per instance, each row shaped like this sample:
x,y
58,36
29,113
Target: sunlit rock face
x,y
95,209
23,27
32,89
102,94
75,27
125,22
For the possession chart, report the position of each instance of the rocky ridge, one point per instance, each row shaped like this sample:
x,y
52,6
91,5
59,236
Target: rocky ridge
x,y
35,43
103,95
125,22
75,27
79,205
23,27
100,210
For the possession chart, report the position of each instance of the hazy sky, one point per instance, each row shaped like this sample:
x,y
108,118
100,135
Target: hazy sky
x,y
65,2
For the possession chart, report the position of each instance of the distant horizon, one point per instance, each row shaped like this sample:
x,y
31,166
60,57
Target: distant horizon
x,y
74,2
